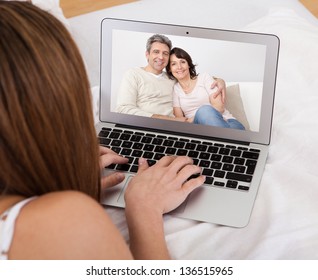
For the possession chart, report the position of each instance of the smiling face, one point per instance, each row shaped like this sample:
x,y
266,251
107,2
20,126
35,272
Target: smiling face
x,y
157,57
179,67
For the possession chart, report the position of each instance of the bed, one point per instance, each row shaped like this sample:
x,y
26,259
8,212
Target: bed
x,y
284,222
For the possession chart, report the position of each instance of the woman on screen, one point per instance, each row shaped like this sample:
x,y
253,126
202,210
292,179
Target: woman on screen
x,y
193,97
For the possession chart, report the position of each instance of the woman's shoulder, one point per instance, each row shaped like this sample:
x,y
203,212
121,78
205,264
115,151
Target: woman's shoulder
x,y
204,76
66,225
61,201
205,79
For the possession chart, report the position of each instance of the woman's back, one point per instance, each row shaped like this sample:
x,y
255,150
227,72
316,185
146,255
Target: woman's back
x,y
65,225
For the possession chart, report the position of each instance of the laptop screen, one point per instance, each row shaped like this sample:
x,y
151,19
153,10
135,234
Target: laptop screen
x,y
247,62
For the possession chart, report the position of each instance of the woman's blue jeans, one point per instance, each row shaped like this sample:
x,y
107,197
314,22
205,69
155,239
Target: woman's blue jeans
x,y
208,115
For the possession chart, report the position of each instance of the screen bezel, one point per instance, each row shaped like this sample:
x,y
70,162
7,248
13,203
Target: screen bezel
x,y
270,71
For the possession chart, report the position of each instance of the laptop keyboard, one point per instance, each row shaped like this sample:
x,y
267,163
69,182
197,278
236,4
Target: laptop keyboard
x,y
225,166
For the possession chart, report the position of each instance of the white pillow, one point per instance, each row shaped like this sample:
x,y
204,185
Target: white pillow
x,y
234,104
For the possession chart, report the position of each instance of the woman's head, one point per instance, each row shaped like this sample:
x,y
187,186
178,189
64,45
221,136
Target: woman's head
x,y
47,136
183,55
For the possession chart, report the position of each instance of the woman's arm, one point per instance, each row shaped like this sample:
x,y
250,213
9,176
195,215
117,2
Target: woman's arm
x,y
168,118
154,191
178,116
178,113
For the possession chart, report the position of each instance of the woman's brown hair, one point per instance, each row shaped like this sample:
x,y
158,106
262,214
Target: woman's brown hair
x,y
47,136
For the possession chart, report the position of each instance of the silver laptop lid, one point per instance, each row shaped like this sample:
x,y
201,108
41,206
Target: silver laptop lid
x,y
243,58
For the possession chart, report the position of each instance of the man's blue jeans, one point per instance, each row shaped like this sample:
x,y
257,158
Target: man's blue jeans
x,y
208,115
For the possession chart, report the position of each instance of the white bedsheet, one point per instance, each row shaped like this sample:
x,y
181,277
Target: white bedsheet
x,y
284,222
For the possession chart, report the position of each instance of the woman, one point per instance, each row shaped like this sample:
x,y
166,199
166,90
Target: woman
x,y
193,97
50,160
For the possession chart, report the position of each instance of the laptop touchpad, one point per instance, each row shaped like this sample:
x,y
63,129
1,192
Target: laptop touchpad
x,y
121,196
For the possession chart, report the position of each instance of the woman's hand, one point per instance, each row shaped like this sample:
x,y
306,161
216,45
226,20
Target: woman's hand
x,y
152,192
163,186
190,120
108,157
219,84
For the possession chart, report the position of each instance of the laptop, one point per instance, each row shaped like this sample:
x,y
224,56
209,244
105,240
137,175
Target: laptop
x,y
233,160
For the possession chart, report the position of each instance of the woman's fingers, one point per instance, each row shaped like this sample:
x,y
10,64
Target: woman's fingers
x,y
103,150
142,165
166,161
192,184
188,171
177,163
110,158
